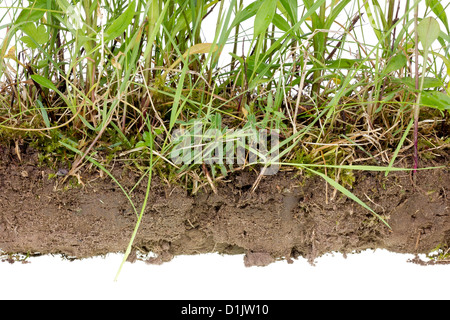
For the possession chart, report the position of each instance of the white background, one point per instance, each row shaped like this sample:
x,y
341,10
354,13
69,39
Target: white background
x,y
368,275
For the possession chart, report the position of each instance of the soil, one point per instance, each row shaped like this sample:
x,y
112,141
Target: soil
x,y
287,217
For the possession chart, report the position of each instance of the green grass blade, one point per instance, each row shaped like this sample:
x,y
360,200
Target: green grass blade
x,y
264,17
121,23
400,144
439,11
44,113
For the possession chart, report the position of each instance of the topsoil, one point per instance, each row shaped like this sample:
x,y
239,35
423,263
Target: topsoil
x,y
288,216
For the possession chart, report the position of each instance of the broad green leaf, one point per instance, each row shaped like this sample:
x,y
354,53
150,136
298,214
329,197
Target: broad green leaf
x,y
289,8
29,28
428,31
260,66
141,144
33,13
35,35
264,16
439,11
397,62
399,146
435,99
121,23
42,34
44,82
176,108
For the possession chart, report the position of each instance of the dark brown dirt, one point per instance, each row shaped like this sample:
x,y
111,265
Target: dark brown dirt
x,y
289,216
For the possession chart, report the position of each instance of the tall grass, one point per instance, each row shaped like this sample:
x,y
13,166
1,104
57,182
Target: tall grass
x,y
344,81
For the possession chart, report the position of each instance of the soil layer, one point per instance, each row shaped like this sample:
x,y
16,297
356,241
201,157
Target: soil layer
x,y
287,217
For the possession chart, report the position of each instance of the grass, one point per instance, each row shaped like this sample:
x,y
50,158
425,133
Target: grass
x,y
114,79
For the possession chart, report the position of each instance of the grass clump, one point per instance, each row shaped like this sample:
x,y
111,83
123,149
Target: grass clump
x,y
348,85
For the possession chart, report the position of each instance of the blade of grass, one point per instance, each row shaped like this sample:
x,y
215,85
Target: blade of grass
x,y
101,167
400,144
